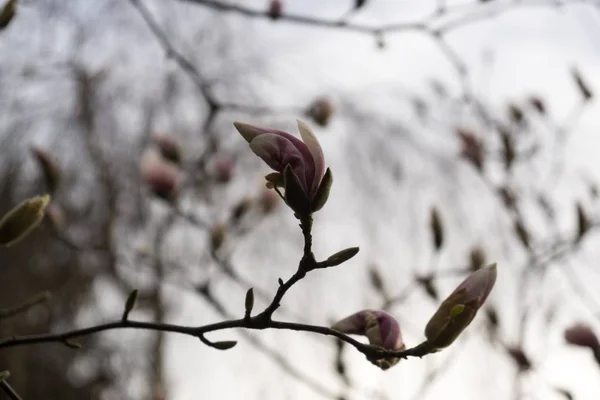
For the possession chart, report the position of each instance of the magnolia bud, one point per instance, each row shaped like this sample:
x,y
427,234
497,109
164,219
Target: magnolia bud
x,y
321,111
168,146
268,200
163,177
437,230
582,335
223,168
458,310
22,219
275,8
49,167
477,258
538,104
472,148
520,358
379,327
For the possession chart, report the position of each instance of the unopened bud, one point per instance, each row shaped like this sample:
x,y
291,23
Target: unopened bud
x,y
7,13
520,358
49,167
477,258
321,111
217,237
275,8
168,147
223,168
437,230
22,219
163,177
582,335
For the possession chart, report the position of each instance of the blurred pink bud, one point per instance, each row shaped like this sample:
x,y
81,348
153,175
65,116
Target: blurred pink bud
x,y
379,327
321,111
275,8
223,168
268,200
163,177
168,147
458,310
582,335
280,149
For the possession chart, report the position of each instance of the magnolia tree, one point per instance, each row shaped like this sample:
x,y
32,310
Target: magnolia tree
x,y
114,218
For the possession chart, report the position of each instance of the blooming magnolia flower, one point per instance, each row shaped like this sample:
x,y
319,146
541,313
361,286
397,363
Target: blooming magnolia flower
x,y
163,177
379,327
304,158
458,310
582,335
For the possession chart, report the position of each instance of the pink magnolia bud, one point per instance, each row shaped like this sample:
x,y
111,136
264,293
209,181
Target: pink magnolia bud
x,y
321,111
379,327
458,310
304,158
168,146
582,335
223,168
163,177
268,200
275,8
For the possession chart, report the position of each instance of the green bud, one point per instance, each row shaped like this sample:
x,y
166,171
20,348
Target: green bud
x,y
340,257
72,344
322,193
7,13
22,219
225,345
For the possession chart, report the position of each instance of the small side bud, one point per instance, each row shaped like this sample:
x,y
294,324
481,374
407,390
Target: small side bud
x,y
223,168
249,302
522,234
225,345
22,219
129,304
583,222
583,336
437,230
583,87
340,257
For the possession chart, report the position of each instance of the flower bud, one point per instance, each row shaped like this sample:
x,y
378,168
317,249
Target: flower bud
x,y
22,219
168,147
538,104
437,230
458,310
7,13
477,258
321,111
49,167
520,358
268,200
223,168
472,148
300,162
275,8
583,336
163,177
379,327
